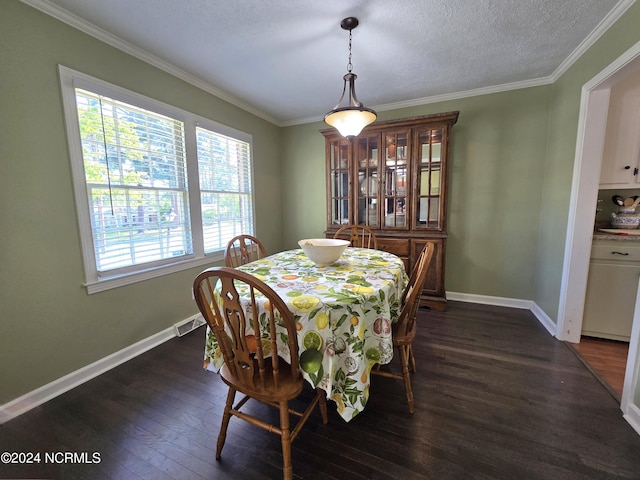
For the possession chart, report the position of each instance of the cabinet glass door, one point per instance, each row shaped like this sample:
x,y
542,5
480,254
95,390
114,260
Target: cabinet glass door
x,y
395,179
339,178
368,183
429,205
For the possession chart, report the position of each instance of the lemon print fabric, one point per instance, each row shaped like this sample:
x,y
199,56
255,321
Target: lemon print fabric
x,y
382,327
336,397
266,347
311,358
381,263
363,290
335,346
344,268
373,355
322,320
304,303
343,316
311,361
312,340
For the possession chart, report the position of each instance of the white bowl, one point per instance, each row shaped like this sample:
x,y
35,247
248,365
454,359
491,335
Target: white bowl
x,y
323,251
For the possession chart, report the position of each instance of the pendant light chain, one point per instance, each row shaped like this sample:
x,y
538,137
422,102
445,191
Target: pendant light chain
x,y
349,65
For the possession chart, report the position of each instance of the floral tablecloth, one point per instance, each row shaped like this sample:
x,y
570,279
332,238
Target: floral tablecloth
x,y
343,313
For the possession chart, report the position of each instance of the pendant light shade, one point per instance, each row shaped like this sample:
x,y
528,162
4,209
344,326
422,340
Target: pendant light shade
x,y
351,118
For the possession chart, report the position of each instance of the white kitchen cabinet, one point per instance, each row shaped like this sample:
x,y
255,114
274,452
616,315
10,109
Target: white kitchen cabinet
x,y
611,290
621,153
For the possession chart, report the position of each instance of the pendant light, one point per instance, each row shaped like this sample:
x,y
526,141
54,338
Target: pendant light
x,y
349,120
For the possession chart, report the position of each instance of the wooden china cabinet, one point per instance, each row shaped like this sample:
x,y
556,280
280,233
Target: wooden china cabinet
x,y
393,178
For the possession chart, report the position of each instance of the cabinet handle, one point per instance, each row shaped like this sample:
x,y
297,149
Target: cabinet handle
x,y
627,167
635,171
619,253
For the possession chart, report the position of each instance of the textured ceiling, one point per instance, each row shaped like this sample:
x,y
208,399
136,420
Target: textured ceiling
x,y
284,59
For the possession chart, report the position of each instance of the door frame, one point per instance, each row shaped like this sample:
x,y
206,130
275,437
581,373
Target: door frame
x,y
594,103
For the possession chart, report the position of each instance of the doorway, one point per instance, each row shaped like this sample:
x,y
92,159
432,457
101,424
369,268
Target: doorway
x,y
606,359
586,178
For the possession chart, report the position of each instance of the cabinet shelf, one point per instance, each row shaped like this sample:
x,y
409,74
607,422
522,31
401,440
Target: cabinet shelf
x,y
393,179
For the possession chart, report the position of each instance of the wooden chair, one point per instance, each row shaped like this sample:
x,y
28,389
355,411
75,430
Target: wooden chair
x,y
404,330
359,235
243,249
252,362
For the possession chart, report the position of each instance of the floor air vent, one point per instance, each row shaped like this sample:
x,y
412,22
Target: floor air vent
x,y
189,325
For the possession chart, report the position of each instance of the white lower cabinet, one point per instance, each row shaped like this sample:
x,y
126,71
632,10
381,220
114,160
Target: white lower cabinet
x,y
611,290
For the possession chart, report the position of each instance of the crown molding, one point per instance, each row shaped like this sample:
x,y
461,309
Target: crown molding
x,y
78,23
439,98
593,37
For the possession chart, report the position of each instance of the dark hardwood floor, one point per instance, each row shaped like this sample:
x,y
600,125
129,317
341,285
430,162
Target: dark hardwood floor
x,y
496,398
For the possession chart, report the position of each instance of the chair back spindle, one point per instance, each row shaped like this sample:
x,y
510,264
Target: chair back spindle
x,y
243,249
411,296
404,330
243,340
360,236
247,318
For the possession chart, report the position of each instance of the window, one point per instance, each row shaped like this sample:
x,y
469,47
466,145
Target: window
x,y
225,188
157,189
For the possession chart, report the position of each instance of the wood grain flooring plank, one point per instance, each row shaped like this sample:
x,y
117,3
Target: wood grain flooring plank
x,y
497,398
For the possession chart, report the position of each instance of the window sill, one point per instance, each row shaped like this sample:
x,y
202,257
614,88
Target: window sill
x,y
108,283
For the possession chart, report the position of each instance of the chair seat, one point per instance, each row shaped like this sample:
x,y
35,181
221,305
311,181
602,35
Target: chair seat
x,y
287,389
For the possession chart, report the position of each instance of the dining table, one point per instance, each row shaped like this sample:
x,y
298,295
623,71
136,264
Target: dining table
x,y
343,314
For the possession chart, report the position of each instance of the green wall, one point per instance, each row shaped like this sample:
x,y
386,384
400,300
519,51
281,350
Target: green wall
x,y
510,184
561,148
496,181
49,325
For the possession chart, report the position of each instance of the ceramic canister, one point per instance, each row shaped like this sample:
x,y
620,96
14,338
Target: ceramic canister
x,y
625,218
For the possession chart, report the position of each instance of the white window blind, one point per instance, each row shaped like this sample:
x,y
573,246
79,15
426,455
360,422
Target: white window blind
x,y
158,189
134,162
225,188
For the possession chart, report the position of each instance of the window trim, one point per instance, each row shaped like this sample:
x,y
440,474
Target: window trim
x,y
69,81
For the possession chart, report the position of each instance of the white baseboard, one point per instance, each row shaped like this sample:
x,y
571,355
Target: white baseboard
x,y
51,390
632,416
488,300
542,317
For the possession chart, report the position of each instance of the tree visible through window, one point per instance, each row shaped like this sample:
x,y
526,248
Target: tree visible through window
x,y
135,169
225,188
158,189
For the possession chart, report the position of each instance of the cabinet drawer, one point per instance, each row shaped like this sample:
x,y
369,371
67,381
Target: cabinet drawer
x,y
397,246
619,252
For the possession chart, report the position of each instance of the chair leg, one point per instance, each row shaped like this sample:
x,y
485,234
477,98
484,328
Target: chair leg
x,y
322,401
226,416
412,360
404,360
287,468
